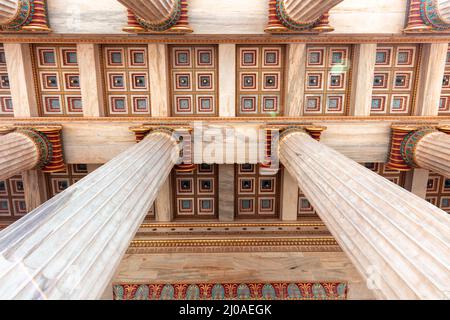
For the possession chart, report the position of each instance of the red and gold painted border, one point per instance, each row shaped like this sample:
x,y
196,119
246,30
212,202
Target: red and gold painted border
x,y
233,291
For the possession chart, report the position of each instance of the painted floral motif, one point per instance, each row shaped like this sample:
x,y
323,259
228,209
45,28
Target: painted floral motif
x,y
233,291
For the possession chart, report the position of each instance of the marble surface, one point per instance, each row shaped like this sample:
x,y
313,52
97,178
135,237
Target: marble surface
x,y
226,17
163,203
20,72
290,197
159,88
18,152
91,82
432,152
98,141
69,247
35,188
432,68
236,267
227,80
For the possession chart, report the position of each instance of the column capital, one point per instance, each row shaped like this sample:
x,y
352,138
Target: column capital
x,y
426,147
314,131
396,161
157,16
300,16
444,129
25,148
25,15
409,144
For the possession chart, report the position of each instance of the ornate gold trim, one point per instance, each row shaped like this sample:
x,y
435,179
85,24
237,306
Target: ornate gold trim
x,y
183,121
319,241
228,225
215,39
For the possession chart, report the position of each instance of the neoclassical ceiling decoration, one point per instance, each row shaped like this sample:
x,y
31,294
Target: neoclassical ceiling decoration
x,y
428,16
24,15
157,16
300,16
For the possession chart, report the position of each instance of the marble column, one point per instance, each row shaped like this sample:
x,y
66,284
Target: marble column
x,y
429,150
20,151
69,247
295,90
153,11
34,188
399,242
308,11
8,11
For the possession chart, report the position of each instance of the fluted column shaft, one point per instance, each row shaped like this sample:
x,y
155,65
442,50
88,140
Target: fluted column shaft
x,y
69,247
18,152
8,10
433,153
308,11
399,242
153,11
444,10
